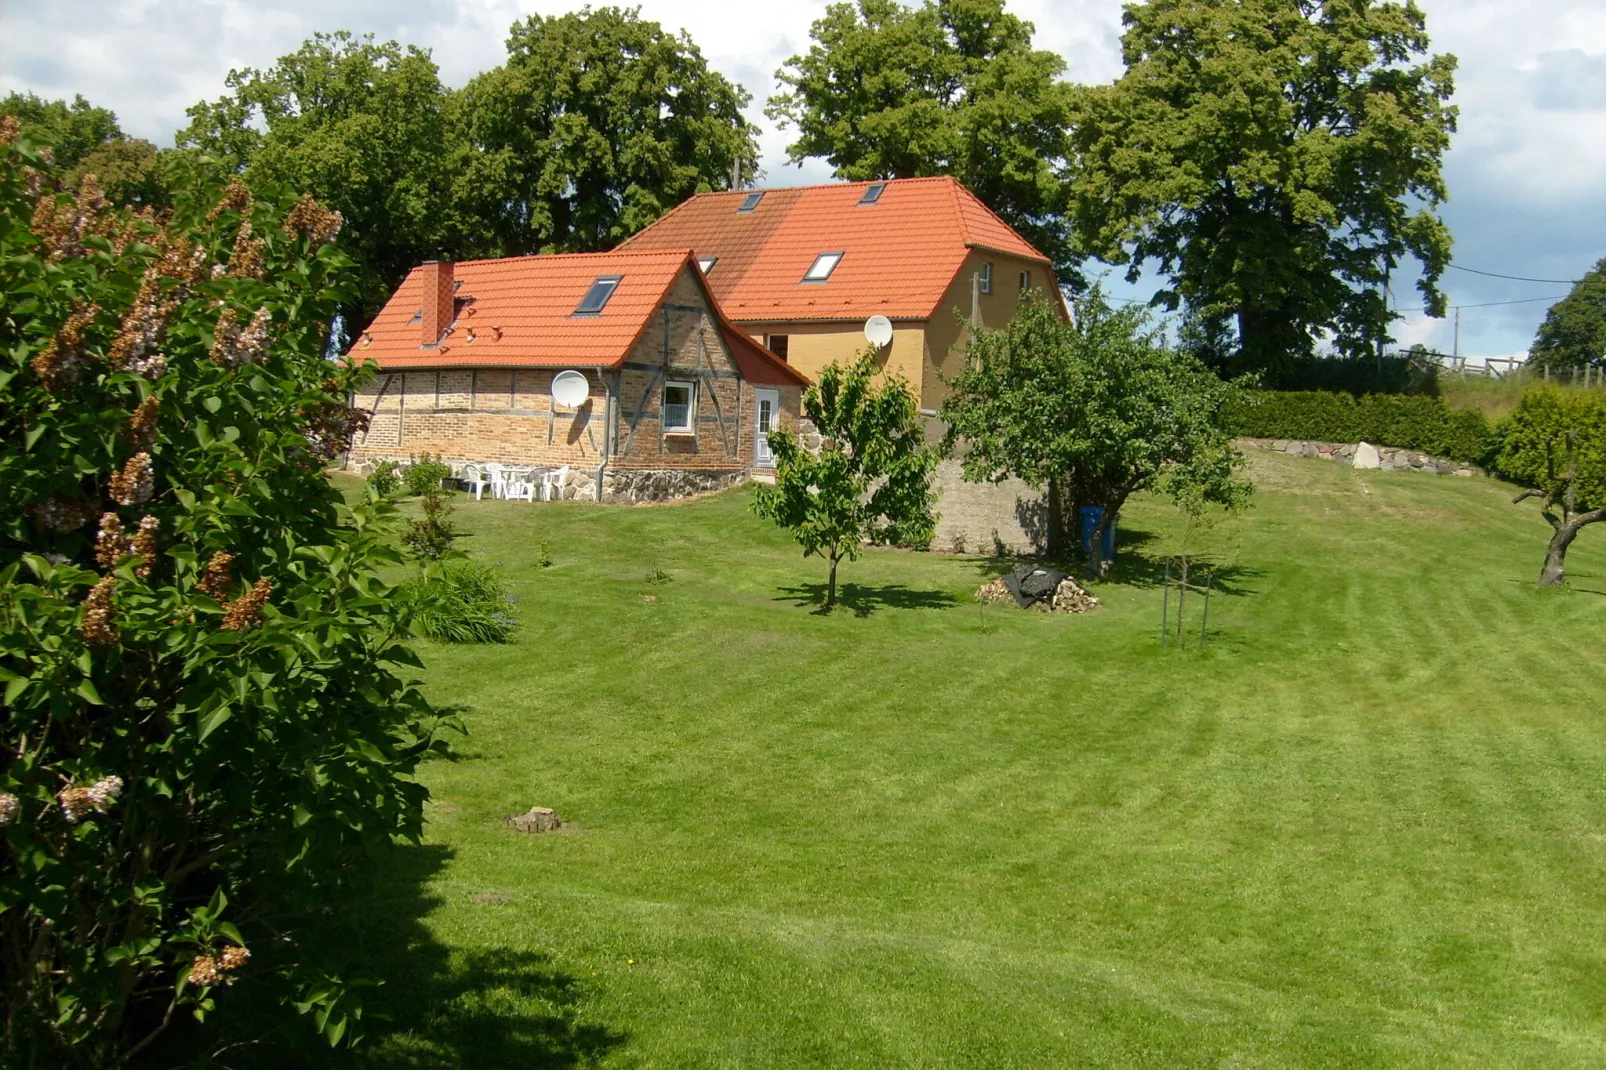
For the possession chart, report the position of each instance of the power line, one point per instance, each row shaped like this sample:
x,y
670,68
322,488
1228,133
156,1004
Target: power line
x,y
1512,278
1490,304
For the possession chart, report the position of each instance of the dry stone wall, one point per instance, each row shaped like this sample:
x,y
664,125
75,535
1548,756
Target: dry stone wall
x,y
1365,455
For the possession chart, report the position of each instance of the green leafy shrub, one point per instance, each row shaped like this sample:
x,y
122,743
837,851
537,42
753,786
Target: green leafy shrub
x,y
1407,421
205,729
385,478
425,474
431,536
460,602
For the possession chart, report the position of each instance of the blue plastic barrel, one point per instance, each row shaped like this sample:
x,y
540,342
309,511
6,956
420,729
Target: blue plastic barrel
x,y
1090,521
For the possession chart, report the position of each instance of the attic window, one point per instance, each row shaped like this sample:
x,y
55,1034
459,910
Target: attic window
x,y
706,263
872,192
986,278
822,267
750,202
598,295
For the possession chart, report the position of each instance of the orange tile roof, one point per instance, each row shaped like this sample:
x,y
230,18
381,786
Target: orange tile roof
x,y
900,255
520,310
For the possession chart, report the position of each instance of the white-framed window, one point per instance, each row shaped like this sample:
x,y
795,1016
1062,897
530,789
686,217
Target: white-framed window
x,y
680,402
1025,281
822,267
986,278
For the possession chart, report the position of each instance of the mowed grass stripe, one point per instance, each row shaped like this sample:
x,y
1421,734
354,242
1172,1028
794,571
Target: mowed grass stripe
x,y
1360,829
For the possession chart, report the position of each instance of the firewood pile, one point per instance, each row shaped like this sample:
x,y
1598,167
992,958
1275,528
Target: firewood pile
x,y
1041,589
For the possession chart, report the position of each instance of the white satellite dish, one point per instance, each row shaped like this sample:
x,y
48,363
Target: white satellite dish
x,y
878,331
570,389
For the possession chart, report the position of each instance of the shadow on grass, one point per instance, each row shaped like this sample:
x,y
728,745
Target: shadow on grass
x,y
862,601
1134,566
435,1009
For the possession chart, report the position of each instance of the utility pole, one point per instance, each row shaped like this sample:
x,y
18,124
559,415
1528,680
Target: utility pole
x,y
1383,333
1457,350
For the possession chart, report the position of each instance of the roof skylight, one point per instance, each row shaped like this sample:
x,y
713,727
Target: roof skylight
x,y
822,267
707,263
750,202
598,295
873,192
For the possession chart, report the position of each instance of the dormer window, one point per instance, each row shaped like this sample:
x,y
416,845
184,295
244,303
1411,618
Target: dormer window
x,y
706,263
873,192
750,202
822,267
596,297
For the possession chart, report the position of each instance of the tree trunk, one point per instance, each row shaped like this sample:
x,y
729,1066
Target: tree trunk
x,y
1554,572
830,589
1054,535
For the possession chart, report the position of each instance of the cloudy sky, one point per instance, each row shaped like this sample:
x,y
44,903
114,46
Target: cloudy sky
x,y
1527,173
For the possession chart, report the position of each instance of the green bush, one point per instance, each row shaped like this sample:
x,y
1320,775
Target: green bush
x,y
206,738
430,537
385,478
1407,421
425,474
460,602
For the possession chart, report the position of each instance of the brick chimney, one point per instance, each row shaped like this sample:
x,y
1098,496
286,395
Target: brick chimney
x,y
438,300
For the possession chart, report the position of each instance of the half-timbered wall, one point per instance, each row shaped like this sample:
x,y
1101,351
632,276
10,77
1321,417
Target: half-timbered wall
x,y
509,416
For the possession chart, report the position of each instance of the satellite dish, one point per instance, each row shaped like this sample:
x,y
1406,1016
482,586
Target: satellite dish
x,y
570,389
878,330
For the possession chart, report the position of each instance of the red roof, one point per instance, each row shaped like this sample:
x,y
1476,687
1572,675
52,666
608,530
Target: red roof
x,y
520,312
900,254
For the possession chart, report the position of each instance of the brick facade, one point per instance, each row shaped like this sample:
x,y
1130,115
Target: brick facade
x,y
509,416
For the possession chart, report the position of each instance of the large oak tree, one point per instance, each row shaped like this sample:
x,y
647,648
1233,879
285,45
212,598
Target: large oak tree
x,y
952,87
1276,160
599,123
86,139
358,124
1574,331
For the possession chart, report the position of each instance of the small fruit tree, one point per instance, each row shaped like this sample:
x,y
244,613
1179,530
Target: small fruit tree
x,y
203,724
1555,444
871,479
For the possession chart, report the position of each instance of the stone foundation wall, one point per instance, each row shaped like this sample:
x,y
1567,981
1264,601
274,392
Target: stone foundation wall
x,y
1387,458
634,486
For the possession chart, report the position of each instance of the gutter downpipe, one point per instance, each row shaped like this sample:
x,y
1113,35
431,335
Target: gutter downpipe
x,y
607,428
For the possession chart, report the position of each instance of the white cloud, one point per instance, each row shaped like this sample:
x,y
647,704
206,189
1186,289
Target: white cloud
x,y
1527,172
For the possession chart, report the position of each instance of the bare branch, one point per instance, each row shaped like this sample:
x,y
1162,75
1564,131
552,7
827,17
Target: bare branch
x,y
1532,492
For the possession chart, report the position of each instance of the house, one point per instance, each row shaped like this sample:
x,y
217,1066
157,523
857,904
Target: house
x,y
801,270
678,399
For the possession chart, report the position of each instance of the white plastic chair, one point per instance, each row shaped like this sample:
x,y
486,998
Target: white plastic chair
x,y
553,482
476,480
519,485
498,477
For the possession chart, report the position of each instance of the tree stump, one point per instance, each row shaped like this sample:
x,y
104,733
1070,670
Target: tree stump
x,y
539,819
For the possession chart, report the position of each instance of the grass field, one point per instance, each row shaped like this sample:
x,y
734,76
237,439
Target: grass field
x,y
1366,826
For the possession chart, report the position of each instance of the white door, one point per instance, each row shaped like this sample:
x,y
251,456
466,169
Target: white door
x,y
769,402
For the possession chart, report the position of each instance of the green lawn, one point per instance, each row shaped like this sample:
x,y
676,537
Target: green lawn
x,y
1367,826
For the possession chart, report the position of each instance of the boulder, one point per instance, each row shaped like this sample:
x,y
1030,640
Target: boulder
x,y
1366,456
539,819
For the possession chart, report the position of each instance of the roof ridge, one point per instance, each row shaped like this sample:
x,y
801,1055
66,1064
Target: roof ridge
x,y
845,184
566,256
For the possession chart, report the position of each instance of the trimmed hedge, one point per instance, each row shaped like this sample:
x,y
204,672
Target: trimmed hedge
x,y
1406,421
